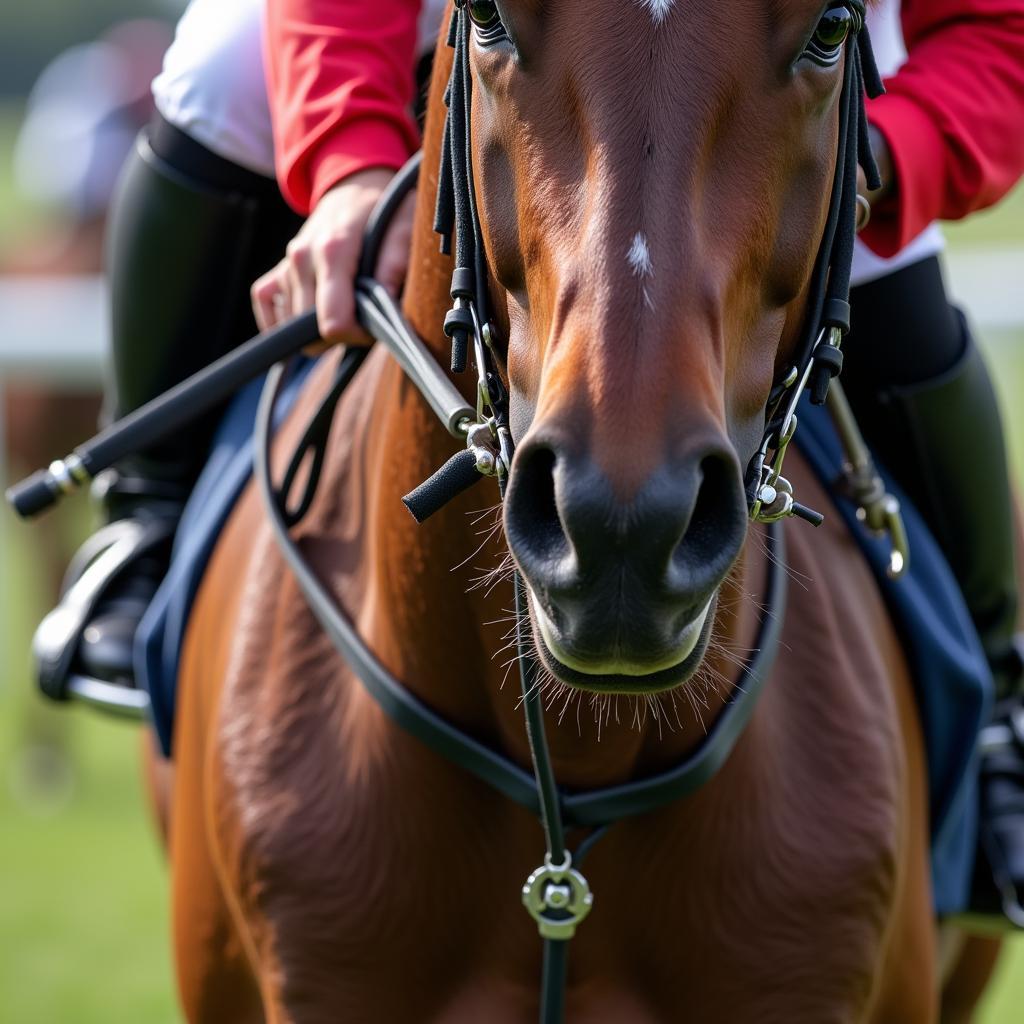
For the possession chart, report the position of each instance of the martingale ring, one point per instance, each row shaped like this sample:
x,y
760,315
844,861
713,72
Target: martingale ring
x,y
558,898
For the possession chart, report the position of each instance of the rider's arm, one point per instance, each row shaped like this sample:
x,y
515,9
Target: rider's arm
x,y
953,116
340,82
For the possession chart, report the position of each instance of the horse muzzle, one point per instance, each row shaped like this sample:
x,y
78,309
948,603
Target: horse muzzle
x,y
623,592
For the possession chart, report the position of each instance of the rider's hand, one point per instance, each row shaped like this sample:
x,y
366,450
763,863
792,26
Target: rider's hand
x,y
886,171
320,266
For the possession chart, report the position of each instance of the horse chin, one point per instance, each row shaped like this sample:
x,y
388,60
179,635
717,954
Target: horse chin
x,y
657,676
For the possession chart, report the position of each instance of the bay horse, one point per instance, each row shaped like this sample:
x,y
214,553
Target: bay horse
x,y
652,181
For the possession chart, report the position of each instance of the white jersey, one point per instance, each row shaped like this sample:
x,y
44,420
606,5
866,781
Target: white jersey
x,y
212,83
212,87
891,52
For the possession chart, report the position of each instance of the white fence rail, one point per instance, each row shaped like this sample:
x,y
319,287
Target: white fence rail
x,y
54,329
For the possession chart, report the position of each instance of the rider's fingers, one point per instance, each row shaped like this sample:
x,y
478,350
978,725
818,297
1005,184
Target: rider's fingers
x,y
393,262
336,312
301,276
269,298
335,262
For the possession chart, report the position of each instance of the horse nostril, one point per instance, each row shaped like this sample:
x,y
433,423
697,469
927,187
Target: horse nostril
x,y
713,500
717,518
532,522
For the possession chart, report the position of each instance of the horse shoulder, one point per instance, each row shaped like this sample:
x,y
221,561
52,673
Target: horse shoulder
x,y
237,718
855,766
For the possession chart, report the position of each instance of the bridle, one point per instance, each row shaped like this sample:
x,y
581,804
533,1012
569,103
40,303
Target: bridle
x,y
819,357
556,894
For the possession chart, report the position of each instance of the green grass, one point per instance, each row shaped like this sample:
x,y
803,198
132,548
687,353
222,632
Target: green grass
x,y
15,215
83,892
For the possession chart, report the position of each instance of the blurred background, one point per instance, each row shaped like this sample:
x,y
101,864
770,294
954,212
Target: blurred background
x,y
83,893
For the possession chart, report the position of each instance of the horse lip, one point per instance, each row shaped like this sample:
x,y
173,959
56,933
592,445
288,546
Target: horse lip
x,y
691,636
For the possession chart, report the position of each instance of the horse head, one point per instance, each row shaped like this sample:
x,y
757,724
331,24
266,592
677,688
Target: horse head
x,y
653,180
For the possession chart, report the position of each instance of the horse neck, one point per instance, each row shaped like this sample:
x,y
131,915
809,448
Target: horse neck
x,y
453,644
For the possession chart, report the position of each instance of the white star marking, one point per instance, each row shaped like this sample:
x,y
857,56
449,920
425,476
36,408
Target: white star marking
x,y
658,8
639,257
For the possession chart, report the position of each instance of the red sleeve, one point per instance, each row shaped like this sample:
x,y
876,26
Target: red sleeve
x,y
340,81
953,115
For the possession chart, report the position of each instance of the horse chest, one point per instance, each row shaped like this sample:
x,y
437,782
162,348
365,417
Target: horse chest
x,y
401,874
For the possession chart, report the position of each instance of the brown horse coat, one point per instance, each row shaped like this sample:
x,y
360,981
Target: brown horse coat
x,y
328,867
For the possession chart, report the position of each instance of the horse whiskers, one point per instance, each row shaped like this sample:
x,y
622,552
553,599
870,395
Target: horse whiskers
x,y
675,709
498,580
717,643
477,517
799,578
662,709
505,647
600,703
508,669
488,536
726,655
508,619
571,696
491,578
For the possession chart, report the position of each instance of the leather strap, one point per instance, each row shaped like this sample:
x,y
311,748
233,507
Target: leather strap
x,y
584,809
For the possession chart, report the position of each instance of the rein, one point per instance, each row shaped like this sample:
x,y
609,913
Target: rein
x,y
556,894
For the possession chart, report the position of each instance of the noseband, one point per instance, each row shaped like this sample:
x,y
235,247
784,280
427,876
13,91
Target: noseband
x,y
556,894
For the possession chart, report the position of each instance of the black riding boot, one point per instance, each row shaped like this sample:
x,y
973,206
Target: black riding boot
x,y
189,233
925,401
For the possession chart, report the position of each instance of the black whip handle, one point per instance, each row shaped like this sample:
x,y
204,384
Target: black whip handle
x,y
172,410
34,494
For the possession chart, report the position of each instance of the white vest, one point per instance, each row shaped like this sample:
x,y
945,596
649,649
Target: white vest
x,y
212,84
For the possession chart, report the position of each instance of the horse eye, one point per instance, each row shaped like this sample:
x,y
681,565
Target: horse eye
x,y
484,13
832,32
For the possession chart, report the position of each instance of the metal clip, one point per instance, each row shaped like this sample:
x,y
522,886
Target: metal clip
x,y
482,441
877,509
558,898
774,499
494,450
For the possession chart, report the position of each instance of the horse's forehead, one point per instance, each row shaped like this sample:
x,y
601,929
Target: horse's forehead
x,y
603,38
661,10
668,12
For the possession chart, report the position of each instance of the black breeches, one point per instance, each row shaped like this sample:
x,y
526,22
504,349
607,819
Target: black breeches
x,y
189,233
904,330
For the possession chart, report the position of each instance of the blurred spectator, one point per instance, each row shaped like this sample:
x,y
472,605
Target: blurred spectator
x,y
81,119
